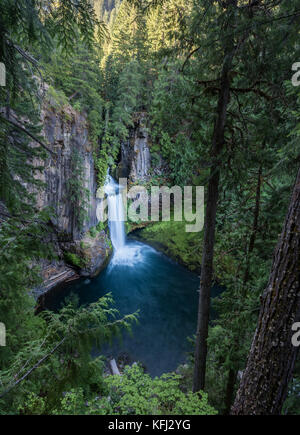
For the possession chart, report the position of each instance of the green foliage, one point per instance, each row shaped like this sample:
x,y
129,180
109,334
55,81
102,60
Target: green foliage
x,y
20,163
162,59
84,245
68,20
93,232
20,246
79,78
26,24
185,247
78,194
291,405
101,226
38,347
175,242
33,405
60,347
57,99
75,260
102,165
135,393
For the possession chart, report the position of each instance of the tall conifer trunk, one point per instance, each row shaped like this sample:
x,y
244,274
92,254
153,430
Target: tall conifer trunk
x,y
210,217
272,356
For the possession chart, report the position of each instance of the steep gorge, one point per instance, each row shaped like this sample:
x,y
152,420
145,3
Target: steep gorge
x,y
82,250
66,134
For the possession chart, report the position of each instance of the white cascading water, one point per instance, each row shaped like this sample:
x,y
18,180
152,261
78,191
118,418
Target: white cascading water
x,y
125,254
115,213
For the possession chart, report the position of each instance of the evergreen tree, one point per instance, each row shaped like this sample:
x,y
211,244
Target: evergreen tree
x,y
272,356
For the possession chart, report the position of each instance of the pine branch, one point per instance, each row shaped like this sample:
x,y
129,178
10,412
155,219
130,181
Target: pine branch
x,y
23,53
33,368
28,133
245,29
255,90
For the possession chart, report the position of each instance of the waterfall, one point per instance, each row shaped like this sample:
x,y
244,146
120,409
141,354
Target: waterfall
x,y
115,213
125,253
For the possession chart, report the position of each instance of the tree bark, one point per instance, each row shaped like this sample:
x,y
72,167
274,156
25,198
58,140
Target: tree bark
x,y
272,356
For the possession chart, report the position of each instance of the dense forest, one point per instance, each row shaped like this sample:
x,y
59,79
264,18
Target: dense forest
x,y
162,93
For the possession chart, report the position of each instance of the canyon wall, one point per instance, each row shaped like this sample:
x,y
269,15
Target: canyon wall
x,y
135,160
66,134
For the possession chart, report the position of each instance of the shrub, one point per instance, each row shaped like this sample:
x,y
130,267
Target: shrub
x,y
74,260
93,232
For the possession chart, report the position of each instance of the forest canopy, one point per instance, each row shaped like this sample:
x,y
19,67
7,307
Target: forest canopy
x,y
213,80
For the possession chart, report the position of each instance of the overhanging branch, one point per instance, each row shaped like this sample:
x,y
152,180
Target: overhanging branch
x,y
28,133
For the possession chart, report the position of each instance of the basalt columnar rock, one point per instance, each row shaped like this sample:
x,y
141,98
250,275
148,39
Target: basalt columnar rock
x,y
135,162
66,133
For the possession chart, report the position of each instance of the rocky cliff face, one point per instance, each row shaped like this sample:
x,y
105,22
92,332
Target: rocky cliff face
x,y
66,134
135,162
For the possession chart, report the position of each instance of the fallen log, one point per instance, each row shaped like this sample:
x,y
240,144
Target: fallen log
x,y
113,367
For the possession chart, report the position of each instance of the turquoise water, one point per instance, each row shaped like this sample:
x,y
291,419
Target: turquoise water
x,y
165,294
